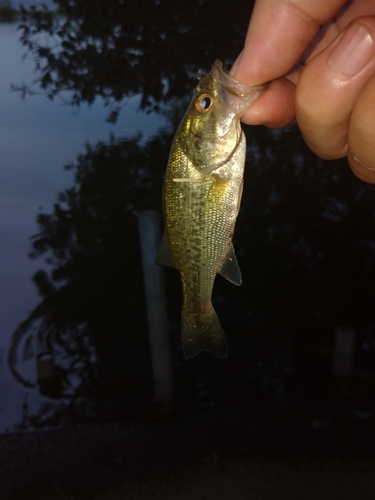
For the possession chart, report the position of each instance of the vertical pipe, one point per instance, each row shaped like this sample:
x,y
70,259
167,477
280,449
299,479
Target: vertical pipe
x,y
149,232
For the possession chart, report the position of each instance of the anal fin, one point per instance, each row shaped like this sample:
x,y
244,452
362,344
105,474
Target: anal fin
x,y
230,269
164,256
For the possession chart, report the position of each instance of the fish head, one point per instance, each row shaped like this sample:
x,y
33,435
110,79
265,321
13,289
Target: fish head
x,y
211,130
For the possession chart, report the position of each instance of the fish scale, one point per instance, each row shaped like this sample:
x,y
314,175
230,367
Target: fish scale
x,y
202,194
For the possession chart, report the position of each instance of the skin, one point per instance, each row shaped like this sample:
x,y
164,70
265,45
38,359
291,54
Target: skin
x,y
324,80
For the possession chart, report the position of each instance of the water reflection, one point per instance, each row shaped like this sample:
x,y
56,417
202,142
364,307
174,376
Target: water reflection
x,y
36,138
307,265
304,239
90,241
114,49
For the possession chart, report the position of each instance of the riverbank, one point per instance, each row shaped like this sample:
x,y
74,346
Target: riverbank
x,y
311,449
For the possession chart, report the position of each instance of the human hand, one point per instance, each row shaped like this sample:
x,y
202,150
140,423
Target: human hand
x,y
331,94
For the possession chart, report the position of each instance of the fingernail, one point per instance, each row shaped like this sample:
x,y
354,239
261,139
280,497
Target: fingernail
x,y
353,52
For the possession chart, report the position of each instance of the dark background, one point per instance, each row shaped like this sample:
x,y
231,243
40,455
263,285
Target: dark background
x,y
304,238
305,244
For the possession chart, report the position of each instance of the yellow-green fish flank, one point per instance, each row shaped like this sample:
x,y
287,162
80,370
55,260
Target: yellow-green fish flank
x,y
202,195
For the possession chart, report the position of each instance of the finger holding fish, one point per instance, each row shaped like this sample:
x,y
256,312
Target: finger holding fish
x,y
331,94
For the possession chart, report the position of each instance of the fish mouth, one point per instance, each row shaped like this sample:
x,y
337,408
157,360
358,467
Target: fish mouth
x,y
234,87
234,93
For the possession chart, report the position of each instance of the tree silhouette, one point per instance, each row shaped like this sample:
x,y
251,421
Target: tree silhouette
x,y
117,48
92,296
305,244
304,236
7,13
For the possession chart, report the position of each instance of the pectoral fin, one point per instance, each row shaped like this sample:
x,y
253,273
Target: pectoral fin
x,y
230,269
164,256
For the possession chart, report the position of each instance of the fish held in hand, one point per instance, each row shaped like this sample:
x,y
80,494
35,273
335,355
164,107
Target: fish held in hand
x,y
202,195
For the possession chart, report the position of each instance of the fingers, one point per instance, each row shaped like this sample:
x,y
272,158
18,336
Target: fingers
x,y
275,108
279,33
329,100
361,136
333,97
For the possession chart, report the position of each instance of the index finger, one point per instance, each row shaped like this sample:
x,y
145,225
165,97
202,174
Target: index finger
x,y
279,33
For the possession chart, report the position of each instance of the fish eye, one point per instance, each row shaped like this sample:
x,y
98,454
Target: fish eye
x,y
203,103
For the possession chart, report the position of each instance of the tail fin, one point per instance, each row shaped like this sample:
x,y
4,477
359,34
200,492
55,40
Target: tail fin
x,y
203,332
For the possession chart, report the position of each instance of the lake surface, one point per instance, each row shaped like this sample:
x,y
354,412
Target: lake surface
x,y
37,139
304,239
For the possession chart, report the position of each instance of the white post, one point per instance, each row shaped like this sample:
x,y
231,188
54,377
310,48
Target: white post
x,y
149,232
343,351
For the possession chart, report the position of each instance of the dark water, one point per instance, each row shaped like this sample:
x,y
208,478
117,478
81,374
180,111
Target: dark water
x,y
37,139
305,235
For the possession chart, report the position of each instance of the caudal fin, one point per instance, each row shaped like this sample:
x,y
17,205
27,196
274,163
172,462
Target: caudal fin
x,y
203,332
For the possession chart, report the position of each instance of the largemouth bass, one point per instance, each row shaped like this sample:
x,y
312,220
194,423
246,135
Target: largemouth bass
x,y
202,195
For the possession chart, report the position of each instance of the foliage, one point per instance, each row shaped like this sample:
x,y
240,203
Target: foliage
x,y
305,244
304,237
91,243
117,48
7,13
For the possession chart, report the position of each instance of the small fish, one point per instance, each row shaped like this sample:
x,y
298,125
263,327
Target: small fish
x,y
202,195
